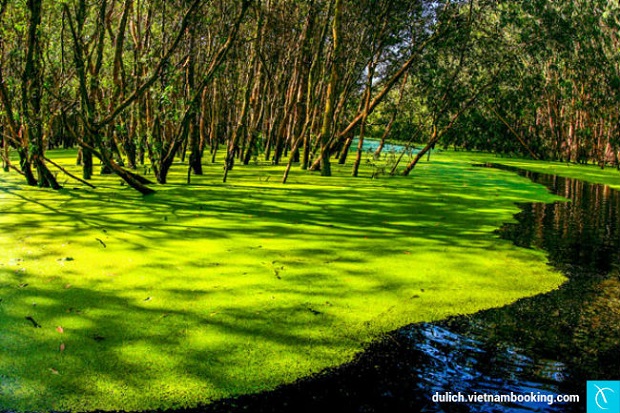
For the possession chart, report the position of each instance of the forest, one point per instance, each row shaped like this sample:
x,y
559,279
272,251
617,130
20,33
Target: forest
x,y
139,82
308,205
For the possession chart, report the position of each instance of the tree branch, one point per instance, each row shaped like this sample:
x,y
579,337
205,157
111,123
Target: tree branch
x,y
69,173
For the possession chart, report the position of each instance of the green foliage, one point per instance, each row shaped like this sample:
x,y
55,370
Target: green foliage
x,y
548,72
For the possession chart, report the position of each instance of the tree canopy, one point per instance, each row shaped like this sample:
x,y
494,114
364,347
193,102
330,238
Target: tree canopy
x,y
149,82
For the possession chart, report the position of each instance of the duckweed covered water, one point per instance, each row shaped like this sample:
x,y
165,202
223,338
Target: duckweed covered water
x,y
545,345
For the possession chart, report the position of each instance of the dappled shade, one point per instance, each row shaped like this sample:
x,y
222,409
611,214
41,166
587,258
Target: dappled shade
x,y
207,291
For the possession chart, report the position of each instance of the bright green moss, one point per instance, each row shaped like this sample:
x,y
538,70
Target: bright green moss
x,y
589,173
212,290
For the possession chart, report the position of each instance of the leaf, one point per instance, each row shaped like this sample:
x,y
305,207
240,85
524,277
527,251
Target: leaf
x,y
62,347
54,371
60,329
33,321
313,311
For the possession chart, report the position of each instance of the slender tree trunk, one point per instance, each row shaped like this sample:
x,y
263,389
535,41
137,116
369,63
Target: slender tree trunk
x,y
233,143
6,159
328,114
360,143
214,128
194,144
388,128
32,90
346,147
195,154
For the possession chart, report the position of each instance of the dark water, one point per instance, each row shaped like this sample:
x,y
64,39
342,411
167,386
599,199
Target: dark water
x,y
550,344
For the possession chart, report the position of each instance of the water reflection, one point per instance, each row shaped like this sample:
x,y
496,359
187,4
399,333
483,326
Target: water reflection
x,y
548,344
460,364
581,236
552,343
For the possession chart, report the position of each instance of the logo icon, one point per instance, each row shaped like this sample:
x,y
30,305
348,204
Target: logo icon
x,y
600,397
603,396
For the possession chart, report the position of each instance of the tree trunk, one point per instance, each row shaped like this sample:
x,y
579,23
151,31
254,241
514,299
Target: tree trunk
x,y
360,144
32,91
26,167
195,155
328,114
87,163
431,143
6,160
388,128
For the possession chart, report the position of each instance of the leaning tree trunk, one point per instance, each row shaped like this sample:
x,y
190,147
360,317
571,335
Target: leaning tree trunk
x,y
431,142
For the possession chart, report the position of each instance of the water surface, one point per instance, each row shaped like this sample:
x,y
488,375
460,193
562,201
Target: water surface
x,y
550,344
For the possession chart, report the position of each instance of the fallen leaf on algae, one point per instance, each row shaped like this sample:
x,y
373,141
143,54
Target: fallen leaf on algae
x,y
60,329
54,371
62,347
